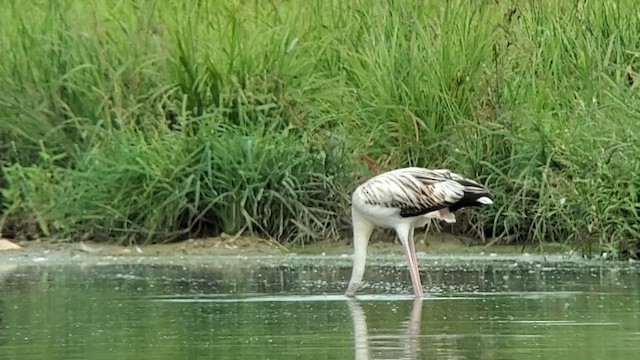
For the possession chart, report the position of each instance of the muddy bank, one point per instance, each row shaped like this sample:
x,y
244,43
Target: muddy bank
x,y
231,255
247,245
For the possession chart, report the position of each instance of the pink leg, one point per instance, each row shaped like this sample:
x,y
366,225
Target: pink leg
x,y
412,249
412,262
415,261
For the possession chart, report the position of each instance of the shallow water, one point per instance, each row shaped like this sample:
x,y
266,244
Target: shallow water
x,y
293,308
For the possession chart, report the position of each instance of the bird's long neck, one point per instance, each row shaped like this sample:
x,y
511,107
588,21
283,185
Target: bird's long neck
x,y
362,229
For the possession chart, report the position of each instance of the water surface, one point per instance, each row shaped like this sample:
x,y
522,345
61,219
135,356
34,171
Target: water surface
x,y
292,307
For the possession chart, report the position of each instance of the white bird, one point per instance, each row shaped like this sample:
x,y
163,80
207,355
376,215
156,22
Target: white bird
x,y
404,199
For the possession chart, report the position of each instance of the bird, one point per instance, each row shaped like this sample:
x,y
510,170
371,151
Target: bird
x,y
403,199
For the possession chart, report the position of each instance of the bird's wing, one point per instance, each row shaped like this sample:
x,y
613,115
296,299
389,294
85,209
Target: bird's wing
x,y
412,195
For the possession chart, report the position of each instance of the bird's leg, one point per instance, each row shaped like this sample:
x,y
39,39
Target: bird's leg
x,y
410,253
412,247
414,256
426,230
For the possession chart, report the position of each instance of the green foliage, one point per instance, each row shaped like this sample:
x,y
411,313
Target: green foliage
x,y
153,119
158,188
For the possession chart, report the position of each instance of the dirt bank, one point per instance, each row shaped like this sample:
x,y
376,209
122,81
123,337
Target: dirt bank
x,y
248,245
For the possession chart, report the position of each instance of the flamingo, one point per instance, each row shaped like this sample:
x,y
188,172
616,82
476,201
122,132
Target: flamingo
x,y
403,199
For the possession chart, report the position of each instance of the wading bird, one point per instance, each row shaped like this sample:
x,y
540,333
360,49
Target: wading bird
x,y
404,199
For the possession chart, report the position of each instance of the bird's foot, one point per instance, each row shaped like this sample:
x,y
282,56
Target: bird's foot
x,y
351,290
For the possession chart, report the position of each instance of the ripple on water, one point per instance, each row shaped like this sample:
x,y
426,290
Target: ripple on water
x,y
259,309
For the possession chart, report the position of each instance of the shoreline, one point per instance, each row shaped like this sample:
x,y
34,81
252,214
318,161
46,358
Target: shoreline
x,y
435,245
251,254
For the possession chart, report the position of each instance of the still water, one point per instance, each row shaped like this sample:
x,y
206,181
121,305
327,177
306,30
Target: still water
x,y
292,308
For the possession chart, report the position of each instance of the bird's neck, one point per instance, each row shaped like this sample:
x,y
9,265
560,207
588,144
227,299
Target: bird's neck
x,y
362,229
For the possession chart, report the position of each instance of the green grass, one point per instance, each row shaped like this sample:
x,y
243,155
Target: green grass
x,y
155,120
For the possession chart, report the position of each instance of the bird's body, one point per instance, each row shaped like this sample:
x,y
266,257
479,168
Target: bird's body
x,y
404,199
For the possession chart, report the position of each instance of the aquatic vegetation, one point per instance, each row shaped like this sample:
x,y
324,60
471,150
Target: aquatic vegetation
x,y
154,120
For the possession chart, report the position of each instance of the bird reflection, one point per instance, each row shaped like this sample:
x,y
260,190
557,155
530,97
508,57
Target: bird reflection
x,y
409,339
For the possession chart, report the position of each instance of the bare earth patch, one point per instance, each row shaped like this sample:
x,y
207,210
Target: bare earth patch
x,y
8,245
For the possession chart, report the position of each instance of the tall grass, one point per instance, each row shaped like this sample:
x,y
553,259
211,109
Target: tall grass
x,y
153,120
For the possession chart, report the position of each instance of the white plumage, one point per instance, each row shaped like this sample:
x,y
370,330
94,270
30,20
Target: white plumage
x,y
404,199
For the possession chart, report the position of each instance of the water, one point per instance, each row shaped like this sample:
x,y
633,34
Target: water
x,y
293,308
